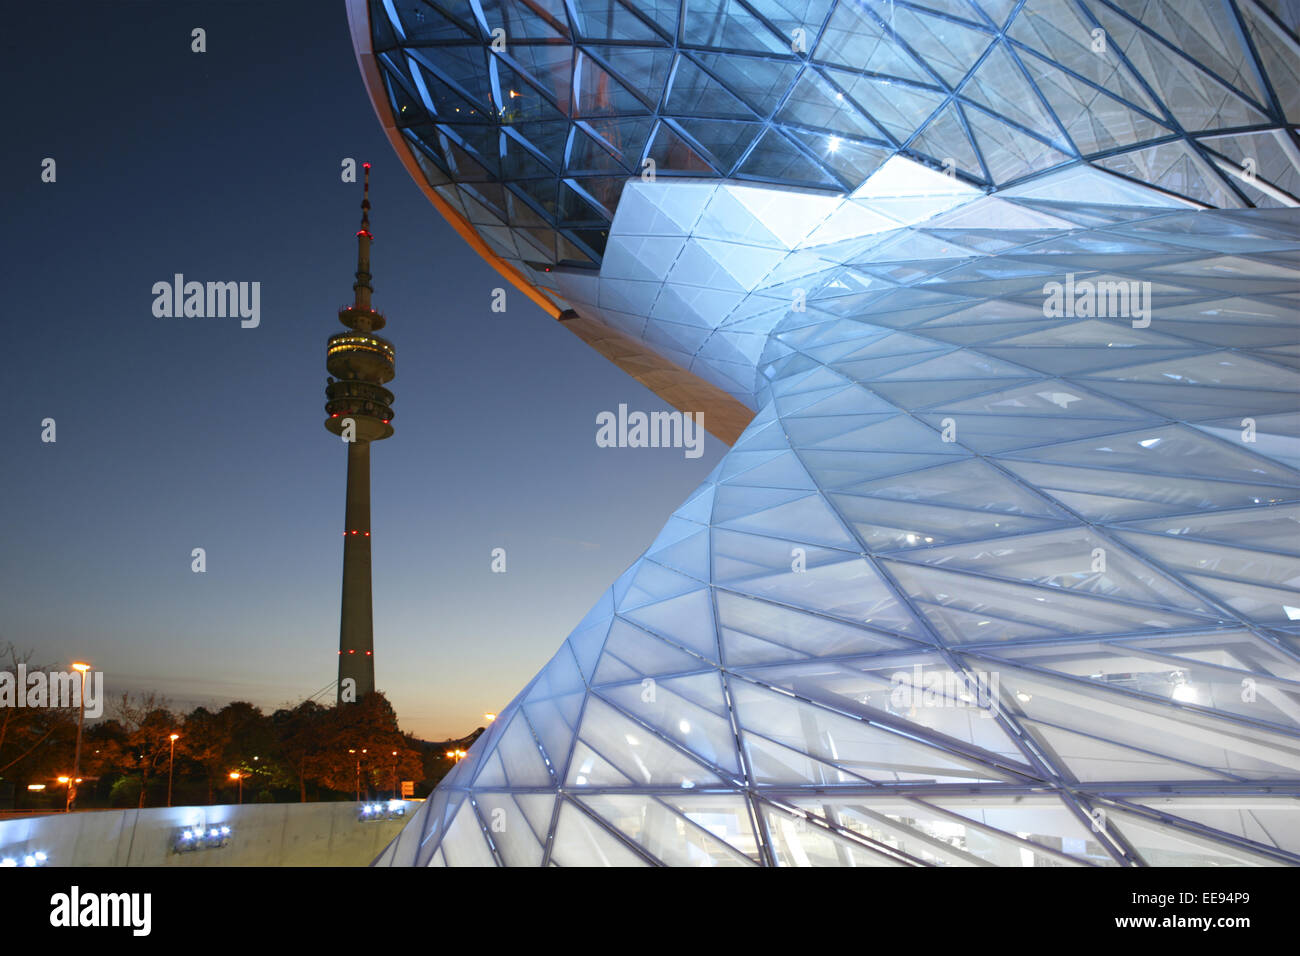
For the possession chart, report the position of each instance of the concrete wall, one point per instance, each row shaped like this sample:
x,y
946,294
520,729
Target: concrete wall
x,y
287,834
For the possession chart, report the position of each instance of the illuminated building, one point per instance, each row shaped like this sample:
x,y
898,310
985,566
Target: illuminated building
x,y
995,302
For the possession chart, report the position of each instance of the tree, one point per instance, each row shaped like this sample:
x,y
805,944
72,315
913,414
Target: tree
x,y
337,747
149,725
303,739
35,742
237,737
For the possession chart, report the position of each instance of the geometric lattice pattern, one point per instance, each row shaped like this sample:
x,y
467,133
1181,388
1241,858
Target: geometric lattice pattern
x,y
533,138
979,585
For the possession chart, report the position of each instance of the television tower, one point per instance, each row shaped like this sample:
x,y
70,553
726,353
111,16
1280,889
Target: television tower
x,y
360,412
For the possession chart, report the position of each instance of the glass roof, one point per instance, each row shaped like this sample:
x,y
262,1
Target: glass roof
x,y
529,116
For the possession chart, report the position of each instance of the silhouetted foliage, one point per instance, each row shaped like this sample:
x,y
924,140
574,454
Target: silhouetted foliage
x,y
128,758
36,743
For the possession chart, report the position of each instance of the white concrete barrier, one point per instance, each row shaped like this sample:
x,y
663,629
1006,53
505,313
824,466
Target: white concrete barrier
x,y
275,834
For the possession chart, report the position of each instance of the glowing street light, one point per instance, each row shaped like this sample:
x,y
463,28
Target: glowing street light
x,y
80,667
71,784
236,775
352,751
171,761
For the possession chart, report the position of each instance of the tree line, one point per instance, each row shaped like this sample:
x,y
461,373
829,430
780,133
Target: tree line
x,y
306,752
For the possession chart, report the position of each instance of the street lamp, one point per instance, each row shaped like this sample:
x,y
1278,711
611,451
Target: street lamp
x,y
352,751
171,761
81,667
71,784
236,775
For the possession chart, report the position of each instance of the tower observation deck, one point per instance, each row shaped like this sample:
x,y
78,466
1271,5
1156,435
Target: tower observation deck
x,y
360,411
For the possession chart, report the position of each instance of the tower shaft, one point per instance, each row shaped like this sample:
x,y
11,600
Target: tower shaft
x,y
356,617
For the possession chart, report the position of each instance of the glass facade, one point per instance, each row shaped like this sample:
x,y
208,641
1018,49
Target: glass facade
x,y
1006,568
529,116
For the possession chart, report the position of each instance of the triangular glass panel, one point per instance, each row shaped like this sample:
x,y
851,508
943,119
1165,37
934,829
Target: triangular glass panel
x,y
1000,85
686,620
464,67
856,39
727,24
855,745
627,135
520,756
775,158
951,48
1197,100
1162,845
795,842
538,20
599,94
725,140
900,108
464,844
512,833
610,20
945,140
759,82
581,841
755,631
1075,559
814,102
555,721
700,730
695,93
1009,153
968,609
640,756
635,653
666,835
671,152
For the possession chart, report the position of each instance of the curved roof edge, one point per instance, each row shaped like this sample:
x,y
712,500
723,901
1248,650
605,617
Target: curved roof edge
x,y
359,24
724,417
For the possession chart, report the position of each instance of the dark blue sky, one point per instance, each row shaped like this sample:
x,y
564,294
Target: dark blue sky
x,y
186,432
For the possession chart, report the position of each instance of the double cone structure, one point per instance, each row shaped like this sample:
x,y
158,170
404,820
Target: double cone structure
x,y
1004,569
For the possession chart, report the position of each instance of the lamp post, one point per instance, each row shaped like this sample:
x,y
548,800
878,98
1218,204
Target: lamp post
x,y
171,762
352,751
71,784
236,775
396,794
81,667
